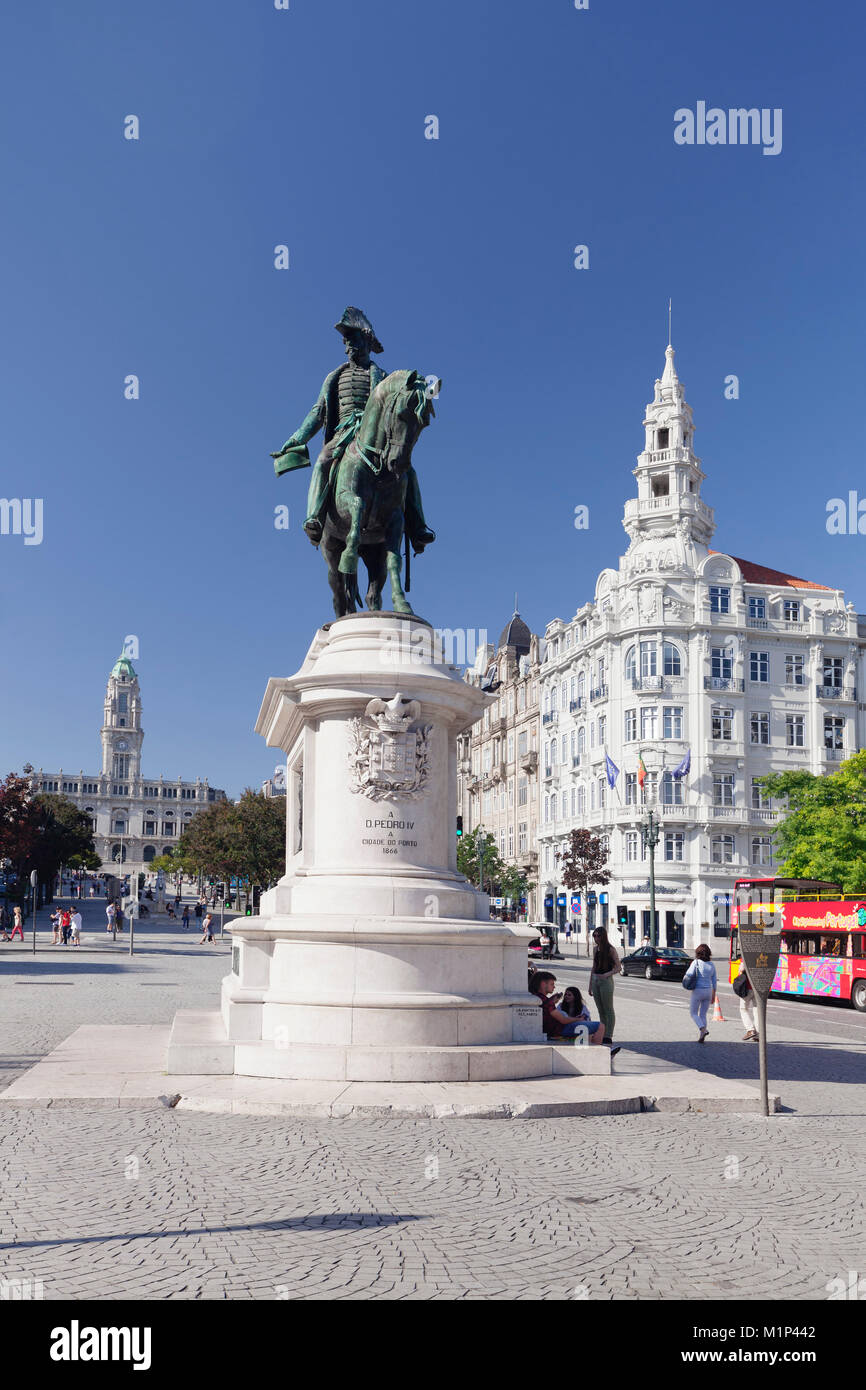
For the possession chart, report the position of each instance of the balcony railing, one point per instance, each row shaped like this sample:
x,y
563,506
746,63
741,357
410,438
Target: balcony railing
x,y
762,623
600,693
529,761
834,692
724,683
548,774
575,705
550,718
575,761
834,755
727,812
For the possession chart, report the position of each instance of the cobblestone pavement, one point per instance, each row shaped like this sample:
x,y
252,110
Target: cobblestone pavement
x,y
155,1204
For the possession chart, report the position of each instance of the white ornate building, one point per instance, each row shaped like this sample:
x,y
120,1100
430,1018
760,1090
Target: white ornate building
x,y
687,651
135,818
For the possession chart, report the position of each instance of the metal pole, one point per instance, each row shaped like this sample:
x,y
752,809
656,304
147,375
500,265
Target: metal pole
x,y
480,863
132,930
651,840
222,910
34,879
762,1050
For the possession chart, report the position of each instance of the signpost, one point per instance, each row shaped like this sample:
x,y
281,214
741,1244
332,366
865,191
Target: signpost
x,y
760,943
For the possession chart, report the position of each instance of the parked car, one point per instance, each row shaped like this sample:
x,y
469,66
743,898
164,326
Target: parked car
x,y
657,962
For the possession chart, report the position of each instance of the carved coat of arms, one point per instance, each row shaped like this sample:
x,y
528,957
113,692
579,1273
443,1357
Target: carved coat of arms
x,y
387,758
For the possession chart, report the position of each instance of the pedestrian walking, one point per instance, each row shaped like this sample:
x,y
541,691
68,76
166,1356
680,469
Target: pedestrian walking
x,y
568,933
65,925
206,929
17,924
701,979
75,924
746,999
185,916
605,964
5,920
199,909
111,916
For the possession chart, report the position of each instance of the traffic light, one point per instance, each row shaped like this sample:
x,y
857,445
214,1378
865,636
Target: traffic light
x,y
459,826
622,916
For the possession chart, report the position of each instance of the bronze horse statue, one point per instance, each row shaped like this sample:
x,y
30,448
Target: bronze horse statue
x,y
365,509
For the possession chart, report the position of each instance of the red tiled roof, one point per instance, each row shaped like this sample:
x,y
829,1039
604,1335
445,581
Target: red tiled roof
x,y
760,574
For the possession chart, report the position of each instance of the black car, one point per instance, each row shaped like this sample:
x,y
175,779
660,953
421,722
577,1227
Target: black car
x,y
657,962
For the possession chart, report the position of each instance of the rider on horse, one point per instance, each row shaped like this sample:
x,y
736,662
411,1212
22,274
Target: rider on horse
x,y
339,409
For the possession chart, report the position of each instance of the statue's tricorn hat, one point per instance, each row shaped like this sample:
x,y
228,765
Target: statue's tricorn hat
x,y
357,320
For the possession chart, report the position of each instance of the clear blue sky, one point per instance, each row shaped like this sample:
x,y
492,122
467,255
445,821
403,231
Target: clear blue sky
x,y
306,127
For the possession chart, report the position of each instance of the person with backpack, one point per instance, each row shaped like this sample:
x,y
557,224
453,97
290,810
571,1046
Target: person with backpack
x,y
701,980
746,1000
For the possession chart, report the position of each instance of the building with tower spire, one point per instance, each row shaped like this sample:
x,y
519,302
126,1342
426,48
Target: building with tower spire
x,y
689,676
134,818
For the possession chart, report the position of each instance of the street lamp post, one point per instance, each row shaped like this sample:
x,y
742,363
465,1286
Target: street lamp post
x,y
650,834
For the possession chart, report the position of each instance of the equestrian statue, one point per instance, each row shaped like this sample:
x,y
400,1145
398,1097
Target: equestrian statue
x,y
364,494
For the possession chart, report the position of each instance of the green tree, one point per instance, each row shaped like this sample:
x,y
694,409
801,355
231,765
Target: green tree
x,y
42,832
823,834
583,864
244,840
479,843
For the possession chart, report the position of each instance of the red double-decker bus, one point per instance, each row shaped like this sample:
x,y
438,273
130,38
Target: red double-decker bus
x,y
823,953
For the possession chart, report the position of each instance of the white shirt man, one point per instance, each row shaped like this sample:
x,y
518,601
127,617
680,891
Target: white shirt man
x,y
75,923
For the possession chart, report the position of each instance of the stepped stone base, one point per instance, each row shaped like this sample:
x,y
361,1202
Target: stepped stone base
x,y
199,1045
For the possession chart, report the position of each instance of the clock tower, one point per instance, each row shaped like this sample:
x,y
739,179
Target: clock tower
x,y
121,731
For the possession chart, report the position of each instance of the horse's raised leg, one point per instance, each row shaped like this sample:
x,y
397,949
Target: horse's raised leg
x,y
393,561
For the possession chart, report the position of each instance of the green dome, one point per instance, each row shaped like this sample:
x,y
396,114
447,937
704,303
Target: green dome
x,y
123,667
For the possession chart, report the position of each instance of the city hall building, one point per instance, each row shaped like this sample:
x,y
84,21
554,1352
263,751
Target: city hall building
x,y
134,818
697,674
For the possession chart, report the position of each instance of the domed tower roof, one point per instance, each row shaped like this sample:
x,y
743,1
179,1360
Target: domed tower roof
x,y
123,667
517,635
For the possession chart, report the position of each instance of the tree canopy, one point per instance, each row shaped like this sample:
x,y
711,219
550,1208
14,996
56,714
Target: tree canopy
x,y
823,834
42,831
582,862
501,880
244,839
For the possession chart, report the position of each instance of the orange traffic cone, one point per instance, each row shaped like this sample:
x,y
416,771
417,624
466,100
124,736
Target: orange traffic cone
x,y
718,1016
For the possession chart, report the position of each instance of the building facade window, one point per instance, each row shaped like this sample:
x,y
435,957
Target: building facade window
x,y
723,788
759,666
795,730
759,725
795,672
834,731
672,721
762,849
723,724
674,842
722,663
671,661
720,599
630,725
760,800
672,790
649,722
757,607
792,610
722,849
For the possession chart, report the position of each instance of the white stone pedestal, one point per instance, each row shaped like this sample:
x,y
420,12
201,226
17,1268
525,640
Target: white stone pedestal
x,y
374,958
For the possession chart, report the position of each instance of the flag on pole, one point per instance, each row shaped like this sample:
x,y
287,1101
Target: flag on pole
x,y
611,769
681,770
641,771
